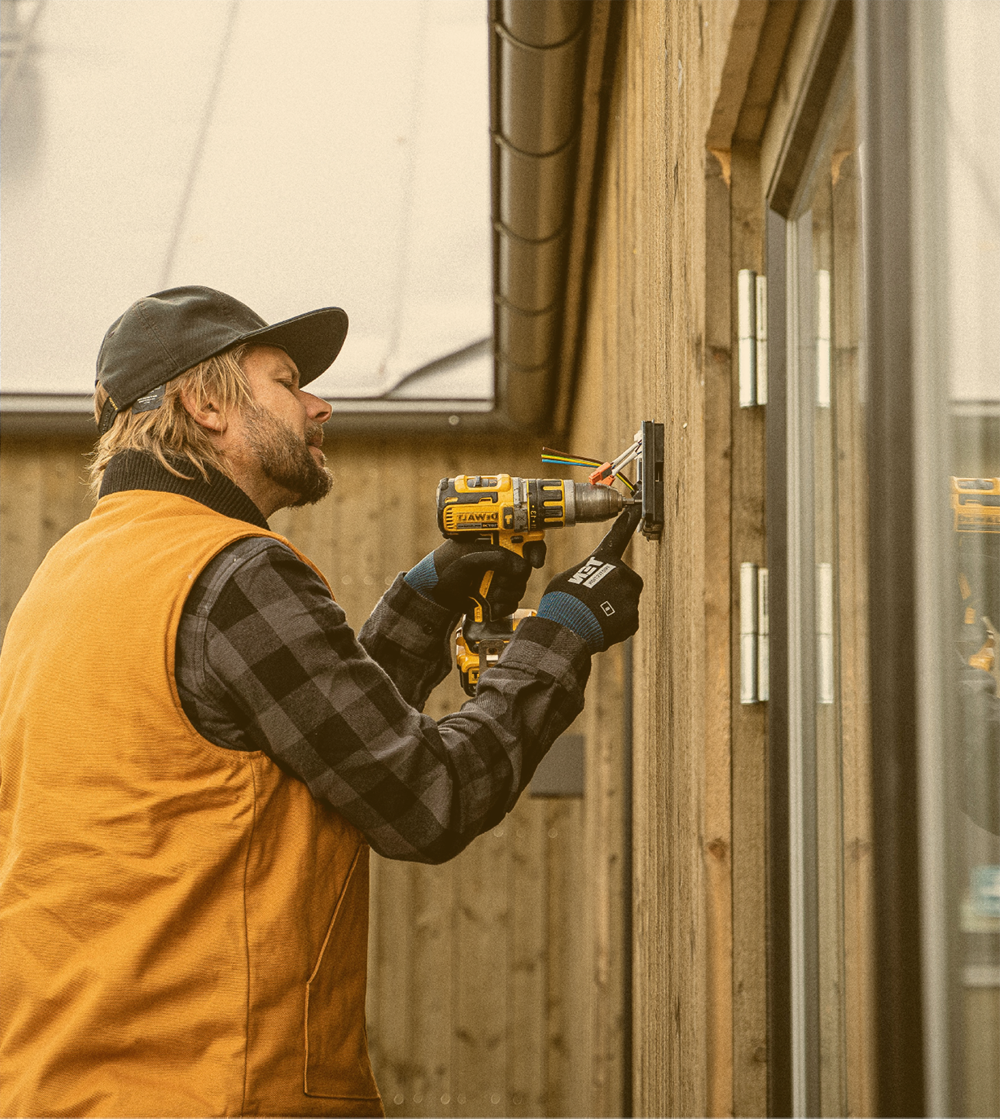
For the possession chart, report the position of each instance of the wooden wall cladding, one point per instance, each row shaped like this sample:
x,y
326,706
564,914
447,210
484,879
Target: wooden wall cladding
x,y
648,354
642,359
43,494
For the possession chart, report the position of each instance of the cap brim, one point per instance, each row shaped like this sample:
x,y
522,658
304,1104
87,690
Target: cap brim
x,y
312,340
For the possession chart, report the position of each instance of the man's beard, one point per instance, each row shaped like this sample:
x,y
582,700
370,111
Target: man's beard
x,y
285,458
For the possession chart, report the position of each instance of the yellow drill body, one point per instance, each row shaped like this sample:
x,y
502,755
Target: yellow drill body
x,y
499,510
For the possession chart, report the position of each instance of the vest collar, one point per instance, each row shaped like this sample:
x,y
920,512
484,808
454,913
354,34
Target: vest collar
x,y
133,470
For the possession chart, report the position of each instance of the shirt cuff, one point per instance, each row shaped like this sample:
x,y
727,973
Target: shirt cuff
x,y
541,647
411,621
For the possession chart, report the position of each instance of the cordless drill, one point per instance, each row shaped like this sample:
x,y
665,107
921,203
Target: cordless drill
x,y
497,510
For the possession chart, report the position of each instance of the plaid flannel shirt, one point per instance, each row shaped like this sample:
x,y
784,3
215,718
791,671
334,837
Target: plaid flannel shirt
x,y
266,661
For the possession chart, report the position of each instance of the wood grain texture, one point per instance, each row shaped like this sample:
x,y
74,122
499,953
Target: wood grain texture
x,y
719,682
43,493
480,980
645,355
852,510
527,960
749,743
603,882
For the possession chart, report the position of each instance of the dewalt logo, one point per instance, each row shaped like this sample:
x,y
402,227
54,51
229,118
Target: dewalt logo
x,y
456,519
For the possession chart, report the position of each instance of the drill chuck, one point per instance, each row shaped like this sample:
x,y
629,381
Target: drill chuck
x,y
586,502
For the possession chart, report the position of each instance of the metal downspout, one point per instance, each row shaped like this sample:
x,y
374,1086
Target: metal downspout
x,y
537,60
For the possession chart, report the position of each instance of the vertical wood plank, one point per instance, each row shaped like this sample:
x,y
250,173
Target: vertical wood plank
x,y
480,985
605,421
852,498
42,495
749,756
66,499
528,959
603,885
570,993
431,994
656,1012
20,506
391,980
645,356
718,651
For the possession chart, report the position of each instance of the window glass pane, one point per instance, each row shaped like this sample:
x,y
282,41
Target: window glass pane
x,y
969,287
829,746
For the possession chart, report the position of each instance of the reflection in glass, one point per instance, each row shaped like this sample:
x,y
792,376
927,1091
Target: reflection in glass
x,y
829,752
968,280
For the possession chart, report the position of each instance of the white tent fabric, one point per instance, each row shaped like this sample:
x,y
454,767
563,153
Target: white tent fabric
x,y
294,153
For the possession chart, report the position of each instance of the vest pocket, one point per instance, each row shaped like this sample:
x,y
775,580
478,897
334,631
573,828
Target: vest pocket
x,y
337,1064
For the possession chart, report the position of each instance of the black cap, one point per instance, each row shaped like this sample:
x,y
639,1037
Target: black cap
x,y
167,333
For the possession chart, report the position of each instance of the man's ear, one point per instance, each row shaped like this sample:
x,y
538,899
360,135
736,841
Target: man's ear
x,y
204,411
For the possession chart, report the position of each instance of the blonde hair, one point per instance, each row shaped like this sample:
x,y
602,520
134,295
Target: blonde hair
x,y
170,432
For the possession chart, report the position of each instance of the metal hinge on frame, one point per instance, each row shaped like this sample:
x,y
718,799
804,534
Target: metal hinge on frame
x,y
754,627
751,301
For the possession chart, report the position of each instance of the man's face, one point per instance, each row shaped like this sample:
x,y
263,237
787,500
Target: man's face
x,y
281,431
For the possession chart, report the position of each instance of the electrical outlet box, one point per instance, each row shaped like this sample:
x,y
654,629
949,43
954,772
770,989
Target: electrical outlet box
x,y
650,479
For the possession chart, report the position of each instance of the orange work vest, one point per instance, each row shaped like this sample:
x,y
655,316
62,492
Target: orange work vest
x,y
183,928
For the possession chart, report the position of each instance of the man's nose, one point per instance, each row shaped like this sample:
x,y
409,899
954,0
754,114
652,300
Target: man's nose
x,y
317,409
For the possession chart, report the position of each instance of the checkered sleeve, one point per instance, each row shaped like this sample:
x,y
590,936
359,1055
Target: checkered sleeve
x,y
409,637
266,660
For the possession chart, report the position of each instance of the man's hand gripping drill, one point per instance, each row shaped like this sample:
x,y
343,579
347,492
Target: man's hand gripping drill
x,y
494,527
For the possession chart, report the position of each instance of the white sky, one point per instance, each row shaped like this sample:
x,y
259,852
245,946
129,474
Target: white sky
x,y
294,153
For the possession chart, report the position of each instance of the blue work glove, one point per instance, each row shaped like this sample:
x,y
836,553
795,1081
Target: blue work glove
x,y
599,598
454,571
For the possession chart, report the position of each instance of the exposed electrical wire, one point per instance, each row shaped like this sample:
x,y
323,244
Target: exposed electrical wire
x,y
599,470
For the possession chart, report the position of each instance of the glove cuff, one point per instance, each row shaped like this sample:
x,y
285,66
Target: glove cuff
x,y
570,612
423,578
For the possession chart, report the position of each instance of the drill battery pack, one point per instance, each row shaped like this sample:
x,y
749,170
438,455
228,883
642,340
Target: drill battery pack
x,y
475,656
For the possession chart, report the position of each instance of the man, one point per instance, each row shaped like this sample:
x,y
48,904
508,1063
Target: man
x,y
197,751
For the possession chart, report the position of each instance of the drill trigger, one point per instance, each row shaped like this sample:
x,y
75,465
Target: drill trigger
x,y
534,553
